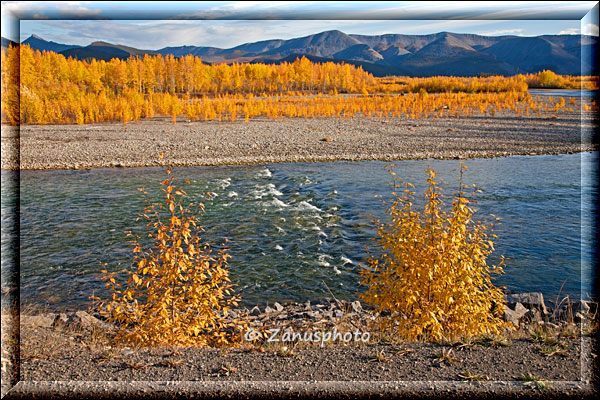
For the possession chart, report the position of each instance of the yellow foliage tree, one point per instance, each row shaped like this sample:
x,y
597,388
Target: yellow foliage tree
x,y
45,87
433,277
180,293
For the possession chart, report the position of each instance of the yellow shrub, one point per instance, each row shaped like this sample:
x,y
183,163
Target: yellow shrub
x,y
179,293
433,277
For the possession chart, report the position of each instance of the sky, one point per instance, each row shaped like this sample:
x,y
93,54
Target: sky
x,y
154,25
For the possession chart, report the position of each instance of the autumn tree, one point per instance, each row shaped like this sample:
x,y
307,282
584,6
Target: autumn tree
x,y
50,88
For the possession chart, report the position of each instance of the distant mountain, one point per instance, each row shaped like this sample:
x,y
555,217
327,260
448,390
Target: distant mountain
x,y
105,51
443,53
324,44
119,49
7,42
375,69
394,54
95,52
187,50
36,42
534,53
359,52
454,56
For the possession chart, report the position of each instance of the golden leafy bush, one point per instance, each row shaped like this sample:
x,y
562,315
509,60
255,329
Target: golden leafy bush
x,y
433,278
179,293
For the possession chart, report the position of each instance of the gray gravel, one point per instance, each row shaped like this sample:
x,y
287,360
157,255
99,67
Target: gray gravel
x,y
291,140
65,359
309,389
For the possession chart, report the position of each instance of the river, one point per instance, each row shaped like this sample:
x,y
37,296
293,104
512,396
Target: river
x,y
295,231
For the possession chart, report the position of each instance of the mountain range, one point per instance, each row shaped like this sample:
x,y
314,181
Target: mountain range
x,y
442,53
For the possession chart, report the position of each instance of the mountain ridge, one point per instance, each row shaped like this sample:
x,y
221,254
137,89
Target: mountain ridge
x,y
443,53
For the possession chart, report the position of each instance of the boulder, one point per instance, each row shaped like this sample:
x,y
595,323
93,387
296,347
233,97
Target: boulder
x,y
356,306
42,320
269,310
536,315
278,306
514,315
61,320
312,314
255,311
83,320
529,300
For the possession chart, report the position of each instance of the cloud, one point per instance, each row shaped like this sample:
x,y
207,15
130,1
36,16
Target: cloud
x,y
570,31
252,5
76,11
423,27
247,9
278,10
503,32
590,29
151,35
56,9
230,31
18,9
154,35
535,10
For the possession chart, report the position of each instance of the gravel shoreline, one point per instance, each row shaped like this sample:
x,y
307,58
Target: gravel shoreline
x,y
64,354
262,140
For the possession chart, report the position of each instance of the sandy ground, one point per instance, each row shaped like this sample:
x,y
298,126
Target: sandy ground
x,y
292,140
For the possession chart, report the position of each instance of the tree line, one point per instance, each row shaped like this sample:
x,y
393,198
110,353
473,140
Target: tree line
x,y
47,88
53,89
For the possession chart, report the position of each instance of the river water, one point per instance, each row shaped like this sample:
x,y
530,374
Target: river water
x,y
564,92
296,231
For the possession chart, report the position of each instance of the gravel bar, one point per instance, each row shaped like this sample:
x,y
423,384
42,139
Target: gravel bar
x,y
263,140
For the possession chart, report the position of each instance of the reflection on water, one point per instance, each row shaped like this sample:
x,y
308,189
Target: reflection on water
x,y
291,229
565,92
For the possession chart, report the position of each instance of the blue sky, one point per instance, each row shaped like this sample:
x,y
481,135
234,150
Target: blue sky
x,y
153,25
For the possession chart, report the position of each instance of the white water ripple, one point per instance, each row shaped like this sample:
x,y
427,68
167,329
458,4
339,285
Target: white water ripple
x,y
346,260
224,183
304,205
265,173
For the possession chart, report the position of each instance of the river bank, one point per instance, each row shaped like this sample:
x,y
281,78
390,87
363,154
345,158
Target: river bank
x,y
262,140
550,350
